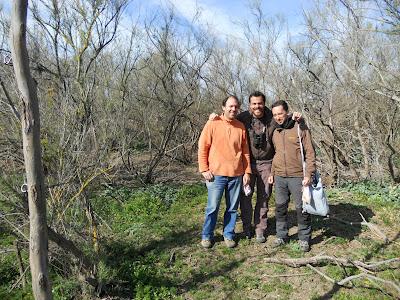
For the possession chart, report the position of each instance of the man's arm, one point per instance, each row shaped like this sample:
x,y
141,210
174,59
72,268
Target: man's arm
x,y
246,159
270,179
205,141
246,153
240,117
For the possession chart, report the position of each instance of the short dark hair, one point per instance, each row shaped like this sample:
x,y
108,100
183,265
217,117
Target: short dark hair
x,y
230,96
257,94
282,103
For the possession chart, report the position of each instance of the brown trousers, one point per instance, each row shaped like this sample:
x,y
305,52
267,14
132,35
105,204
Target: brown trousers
x,y
260,175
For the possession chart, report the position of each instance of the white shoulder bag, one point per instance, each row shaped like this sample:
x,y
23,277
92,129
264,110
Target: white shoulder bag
x,y
314,199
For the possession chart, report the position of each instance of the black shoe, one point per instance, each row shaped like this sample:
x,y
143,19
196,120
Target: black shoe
x,y
248,234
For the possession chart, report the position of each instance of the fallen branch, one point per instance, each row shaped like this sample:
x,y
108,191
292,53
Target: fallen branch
x,y
6,251
321,273
365,267
323,259
285,275
375,229
388,282
21,277
348,279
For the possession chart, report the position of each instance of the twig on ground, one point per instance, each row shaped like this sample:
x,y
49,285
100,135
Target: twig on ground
x,y
349,279
323,259
285,275
388,282
6,251
374,228
322,274
19,280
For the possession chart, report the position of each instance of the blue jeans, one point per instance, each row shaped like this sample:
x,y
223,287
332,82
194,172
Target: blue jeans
x,y
231,186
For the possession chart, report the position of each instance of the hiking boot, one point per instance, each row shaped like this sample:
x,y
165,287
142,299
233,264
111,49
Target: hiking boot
x,y
206,243
278,242
248,235
304,246
260,238
229,243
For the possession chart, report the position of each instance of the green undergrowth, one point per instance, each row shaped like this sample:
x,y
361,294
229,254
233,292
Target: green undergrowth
x,y
149,249
379,193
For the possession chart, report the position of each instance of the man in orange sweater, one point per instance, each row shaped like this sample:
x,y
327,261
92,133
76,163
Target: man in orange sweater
x,y
224,161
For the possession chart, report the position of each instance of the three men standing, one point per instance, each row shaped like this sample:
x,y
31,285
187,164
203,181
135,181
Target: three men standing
x,y
224,161
224,156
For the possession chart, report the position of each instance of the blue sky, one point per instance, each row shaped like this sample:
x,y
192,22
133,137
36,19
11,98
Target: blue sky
x,y
222,16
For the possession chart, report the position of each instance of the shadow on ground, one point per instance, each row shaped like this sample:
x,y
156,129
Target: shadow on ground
x,y
199,277
330,227
333,228
134,265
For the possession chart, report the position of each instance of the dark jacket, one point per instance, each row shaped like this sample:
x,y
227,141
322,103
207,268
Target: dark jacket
x,y
259,134
287,160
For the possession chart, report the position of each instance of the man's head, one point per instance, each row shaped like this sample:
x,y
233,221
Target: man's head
x,y
257,104
280,111
230,107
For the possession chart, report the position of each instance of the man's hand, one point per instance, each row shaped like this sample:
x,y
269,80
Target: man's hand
x,y
246,179
207,175
306,181
212,116
270,180
297,116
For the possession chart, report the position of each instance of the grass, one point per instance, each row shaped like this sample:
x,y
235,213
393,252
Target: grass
x,y
149,249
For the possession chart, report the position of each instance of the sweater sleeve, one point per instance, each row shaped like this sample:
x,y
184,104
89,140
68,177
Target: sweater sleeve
x,y
309,153
246,154
204,147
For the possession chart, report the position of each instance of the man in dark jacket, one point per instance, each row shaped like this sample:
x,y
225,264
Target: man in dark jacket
x,y
259,124
287,173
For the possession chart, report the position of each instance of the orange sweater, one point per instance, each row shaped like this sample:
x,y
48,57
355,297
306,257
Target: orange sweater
x,y
223,148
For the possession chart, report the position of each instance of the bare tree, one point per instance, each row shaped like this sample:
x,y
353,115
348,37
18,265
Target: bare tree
x,y
30,120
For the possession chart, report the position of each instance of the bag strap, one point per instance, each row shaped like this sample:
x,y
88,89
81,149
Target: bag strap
x,y
301,150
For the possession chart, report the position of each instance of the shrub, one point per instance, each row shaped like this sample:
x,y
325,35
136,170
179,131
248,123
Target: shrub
x,y
377,192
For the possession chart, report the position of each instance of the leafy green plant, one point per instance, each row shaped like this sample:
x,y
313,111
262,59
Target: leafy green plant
x,y
8,269
20,294
149,282
167,194
293,249
375,191
149,292
65,289
188,192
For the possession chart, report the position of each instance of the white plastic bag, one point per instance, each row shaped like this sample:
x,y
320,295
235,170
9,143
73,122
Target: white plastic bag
x,y
306,196
318,204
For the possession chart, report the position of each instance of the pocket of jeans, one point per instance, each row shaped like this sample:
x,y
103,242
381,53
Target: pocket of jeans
x,y
209,183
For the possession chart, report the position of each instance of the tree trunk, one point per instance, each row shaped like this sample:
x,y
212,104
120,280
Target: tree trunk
x,y
38,243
